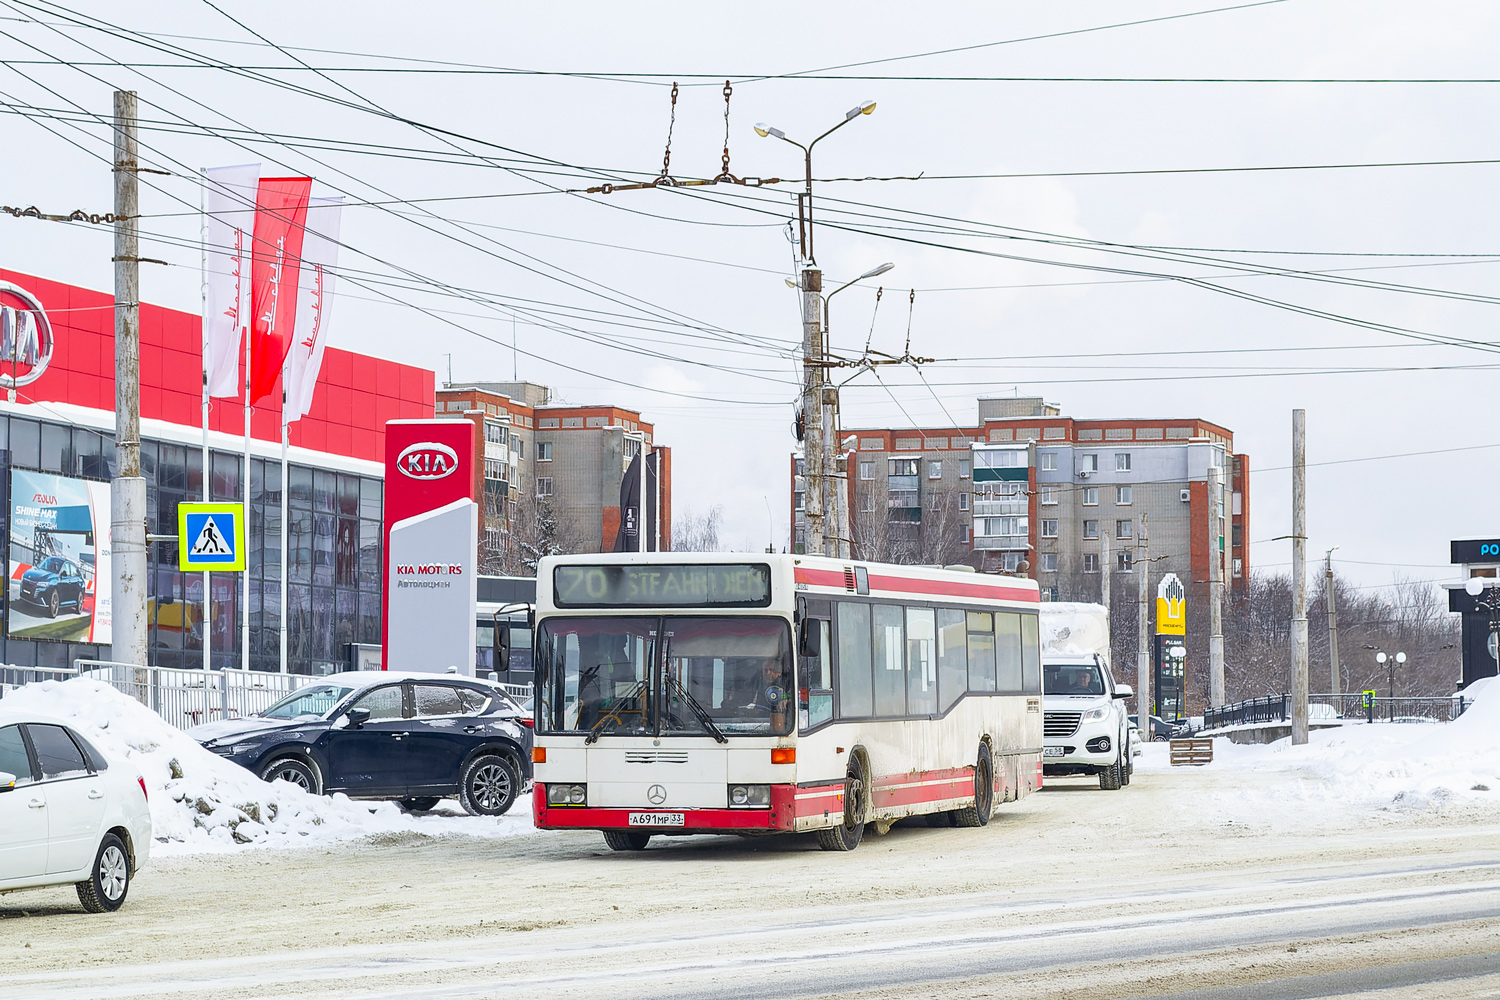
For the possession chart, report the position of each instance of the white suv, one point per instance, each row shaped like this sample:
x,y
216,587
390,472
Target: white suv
x,y
1084,726
68,815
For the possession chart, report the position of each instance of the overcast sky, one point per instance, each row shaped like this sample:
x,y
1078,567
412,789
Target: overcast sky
x,y
691,321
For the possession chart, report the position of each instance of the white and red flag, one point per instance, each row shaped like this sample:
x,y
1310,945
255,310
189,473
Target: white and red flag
x,y
320,256
229,208
276,256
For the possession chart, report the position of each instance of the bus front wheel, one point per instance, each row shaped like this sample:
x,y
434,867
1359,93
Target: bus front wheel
x,y
846,836
626,840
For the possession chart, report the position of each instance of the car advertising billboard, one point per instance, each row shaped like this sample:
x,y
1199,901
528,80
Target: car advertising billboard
x,y
59,559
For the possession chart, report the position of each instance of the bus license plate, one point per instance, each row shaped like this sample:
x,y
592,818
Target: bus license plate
x,y
658,819
1052,751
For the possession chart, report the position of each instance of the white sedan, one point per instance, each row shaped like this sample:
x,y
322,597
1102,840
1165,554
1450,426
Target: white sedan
x,y
67,814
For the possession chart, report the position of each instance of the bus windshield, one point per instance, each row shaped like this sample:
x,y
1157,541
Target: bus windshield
x,y
678,675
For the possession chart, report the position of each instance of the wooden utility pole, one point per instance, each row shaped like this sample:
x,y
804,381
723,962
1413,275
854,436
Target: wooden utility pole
x,y
1335,672
128,489
1215,590
1143,639
1299,576
813,486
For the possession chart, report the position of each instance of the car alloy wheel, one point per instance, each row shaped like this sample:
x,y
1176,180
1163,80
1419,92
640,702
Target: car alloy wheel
x,y
54,604
489,785
294,771
109,879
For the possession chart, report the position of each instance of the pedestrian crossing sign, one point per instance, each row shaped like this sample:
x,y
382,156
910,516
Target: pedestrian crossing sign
x,y
210,536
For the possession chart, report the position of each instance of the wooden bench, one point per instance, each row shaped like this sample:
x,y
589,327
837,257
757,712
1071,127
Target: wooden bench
x,y
1194,752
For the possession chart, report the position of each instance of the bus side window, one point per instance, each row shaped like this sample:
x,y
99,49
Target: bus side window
x,y
921,661
1031,655
1008,651
953,660
889,651
981,651
856,692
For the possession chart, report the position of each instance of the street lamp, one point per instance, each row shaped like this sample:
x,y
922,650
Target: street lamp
x,y
763,130
873,272
1390,663
1477,585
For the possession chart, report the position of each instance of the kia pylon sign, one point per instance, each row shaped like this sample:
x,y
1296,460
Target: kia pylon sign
x,y
429,465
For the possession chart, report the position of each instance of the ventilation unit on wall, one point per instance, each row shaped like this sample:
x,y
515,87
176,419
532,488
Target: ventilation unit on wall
x,y
1185,495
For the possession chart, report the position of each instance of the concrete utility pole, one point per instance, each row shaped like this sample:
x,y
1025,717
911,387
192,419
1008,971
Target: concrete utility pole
x,y
1215,591
1333,634
812,409
1143,648
1105,570
1299,576
128,489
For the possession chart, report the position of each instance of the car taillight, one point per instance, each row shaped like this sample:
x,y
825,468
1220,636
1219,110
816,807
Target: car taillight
x,y
144,794
528,722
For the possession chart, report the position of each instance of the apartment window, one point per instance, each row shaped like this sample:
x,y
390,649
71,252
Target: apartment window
x,y
1049,563
903,466
1049,528
801,466
866,501
963,504
935,500
867,470
544,451
1049,593
1124,561
801,500
494,432
1049,461
1091,496
1049,495
1238,568
1123,529
1236,536
1122,496
934,470
967,539
544,486
1091,562
963,468
1122,461
1088,463
494,470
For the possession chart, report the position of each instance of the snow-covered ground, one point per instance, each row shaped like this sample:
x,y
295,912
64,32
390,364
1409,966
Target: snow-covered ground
x,y
1353,772
203,803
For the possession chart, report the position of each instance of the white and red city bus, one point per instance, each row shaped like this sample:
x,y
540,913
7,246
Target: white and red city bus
x,y
683,693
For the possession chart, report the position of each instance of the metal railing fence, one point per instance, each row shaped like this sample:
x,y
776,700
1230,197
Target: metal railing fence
x,y
185,698
14,677
1355,707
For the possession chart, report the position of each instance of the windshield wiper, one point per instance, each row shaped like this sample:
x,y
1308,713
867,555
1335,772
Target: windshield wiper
x,y
699,711
596,730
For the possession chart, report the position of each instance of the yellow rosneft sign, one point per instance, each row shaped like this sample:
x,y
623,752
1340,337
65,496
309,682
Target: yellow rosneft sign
x,y
1171,606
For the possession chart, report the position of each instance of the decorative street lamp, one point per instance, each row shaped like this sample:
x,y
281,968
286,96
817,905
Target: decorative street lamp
x,y
1390,663
1477,585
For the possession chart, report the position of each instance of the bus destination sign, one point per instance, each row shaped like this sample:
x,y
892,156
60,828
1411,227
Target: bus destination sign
x,y
724,585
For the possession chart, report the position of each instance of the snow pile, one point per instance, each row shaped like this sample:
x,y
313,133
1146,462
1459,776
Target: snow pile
x,y
201,802
1074,629
1381,769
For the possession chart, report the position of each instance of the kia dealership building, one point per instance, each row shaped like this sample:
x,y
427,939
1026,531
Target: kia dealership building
x,y
57,457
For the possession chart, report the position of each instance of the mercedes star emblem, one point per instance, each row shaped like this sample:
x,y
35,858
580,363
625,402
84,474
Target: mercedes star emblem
x,y
656,794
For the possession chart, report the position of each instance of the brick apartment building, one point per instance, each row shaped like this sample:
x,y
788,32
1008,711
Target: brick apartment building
x,y
1028,490
550,469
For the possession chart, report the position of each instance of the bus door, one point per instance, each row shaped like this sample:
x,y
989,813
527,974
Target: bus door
x,y
814,663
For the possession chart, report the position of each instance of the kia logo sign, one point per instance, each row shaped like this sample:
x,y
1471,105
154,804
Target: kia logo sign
x,y
25,337
427,460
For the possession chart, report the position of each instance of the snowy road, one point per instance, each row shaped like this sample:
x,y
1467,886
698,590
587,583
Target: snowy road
x,y
1073,893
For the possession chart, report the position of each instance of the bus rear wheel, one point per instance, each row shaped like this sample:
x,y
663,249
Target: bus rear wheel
x,y
626,840
847,835
984,792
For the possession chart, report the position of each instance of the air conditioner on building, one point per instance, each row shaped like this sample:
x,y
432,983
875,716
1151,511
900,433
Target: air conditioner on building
x,y
1185,495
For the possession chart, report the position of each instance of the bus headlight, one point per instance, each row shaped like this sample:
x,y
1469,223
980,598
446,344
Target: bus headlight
x,y
749,796
567,795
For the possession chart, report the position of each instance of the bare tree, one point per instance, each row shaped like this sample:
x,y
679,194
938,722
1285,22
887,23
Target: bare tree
x,y
693,532
536,530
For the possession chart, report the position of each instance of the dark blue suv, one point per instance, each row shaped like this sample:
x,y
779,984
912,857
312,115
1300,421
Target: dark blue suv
x,y
415,737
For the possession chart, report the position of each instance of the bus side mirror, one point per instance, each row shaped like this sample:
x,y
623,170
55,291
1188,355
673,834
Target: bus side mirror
x,y
502,647
809,639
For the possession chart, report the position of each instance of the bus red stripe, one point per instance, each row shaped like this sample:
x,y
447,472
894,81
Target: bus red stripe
x,y
904,585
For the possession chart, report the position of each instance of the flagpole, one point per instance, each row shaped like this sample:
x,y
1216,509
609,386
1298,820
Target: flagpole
x,y
203,323
284,524
245,576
